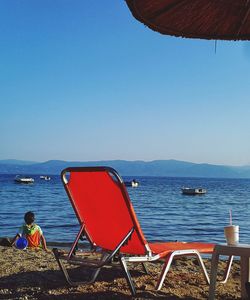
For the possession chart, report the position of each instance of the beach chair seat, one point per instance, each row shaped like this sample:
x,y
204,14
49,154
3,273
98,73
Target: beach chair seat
x,y
108,222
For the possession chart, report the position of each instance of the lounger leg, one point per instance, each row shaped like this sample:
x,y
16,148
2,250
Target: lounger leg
x,y
145,268
66,274
227,271
168,261
74,246
128,276
97,271
165,270
204,270
63,269
106,258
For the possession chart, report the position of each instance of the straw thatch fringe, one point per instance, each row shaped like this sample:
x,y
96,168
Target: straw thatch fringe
x,y
205,19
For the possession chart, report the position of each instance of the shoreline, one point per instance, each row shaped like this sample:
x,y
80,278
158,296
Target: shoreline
x,y
34,274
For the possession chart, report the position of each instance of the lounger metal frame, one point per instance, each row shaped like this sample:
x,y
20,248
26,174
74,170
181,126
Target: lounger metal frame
x,y
107,257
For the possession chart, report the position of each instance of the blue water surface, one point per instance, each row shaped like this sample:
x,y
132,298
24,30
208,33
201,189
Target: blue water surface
x,y
164,213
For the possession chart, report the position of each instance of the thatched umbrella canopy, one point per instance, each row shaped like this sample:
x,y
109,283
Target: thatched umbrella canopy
x,y
205,19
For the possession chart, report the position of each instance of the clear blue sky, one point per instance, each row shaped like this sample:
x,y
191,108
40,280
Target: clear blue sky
x,y
83,80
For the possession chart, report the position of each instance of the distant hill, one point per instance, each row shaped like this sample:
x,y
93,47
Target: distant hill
x,y
16,162
170,168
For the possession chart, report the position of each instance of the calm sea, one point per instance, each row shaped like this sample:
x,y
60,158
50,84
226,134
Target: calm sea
x,y
164,213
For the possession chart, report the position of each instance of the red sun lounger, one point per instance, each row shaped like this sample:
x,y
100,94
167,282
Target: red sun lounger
x,y
109,223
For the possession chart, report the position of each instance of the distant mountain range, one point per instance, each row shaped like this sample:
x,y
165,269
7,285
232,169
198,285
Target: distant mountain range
x,y
169,168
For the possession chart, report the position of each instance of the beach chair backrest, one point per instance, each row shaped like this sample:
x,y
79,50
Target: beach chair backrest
x,y
101,202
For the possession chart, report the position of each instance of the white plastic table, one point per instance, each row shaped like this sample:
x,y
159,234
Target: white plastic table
x,y
241,250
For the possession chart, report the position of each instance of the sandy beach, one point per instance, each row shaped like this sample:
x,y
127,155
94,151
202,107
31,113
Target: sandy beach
x,y
34,274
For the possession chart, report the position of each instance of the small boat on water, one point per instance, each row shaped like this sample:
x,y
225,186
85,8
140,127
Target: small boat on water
x,y
193,191
132,183
45,177
24,179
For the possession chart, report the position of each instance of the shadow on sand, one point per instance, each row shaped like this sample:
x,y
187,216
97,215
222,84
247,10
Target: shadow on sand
x,y
51,284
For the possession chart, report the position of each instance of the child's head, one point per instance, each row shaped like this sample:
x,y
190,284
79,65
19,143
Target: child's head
x,y
29,217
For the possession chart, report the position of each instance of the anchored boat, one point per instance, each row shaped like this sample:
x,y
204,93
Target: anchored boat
x,y
132,183
23,179
193,191
45,177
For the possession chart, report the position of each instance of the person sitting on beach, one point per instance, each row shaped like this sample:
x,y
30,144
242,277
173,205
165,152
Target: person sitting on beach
x,y
32,232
